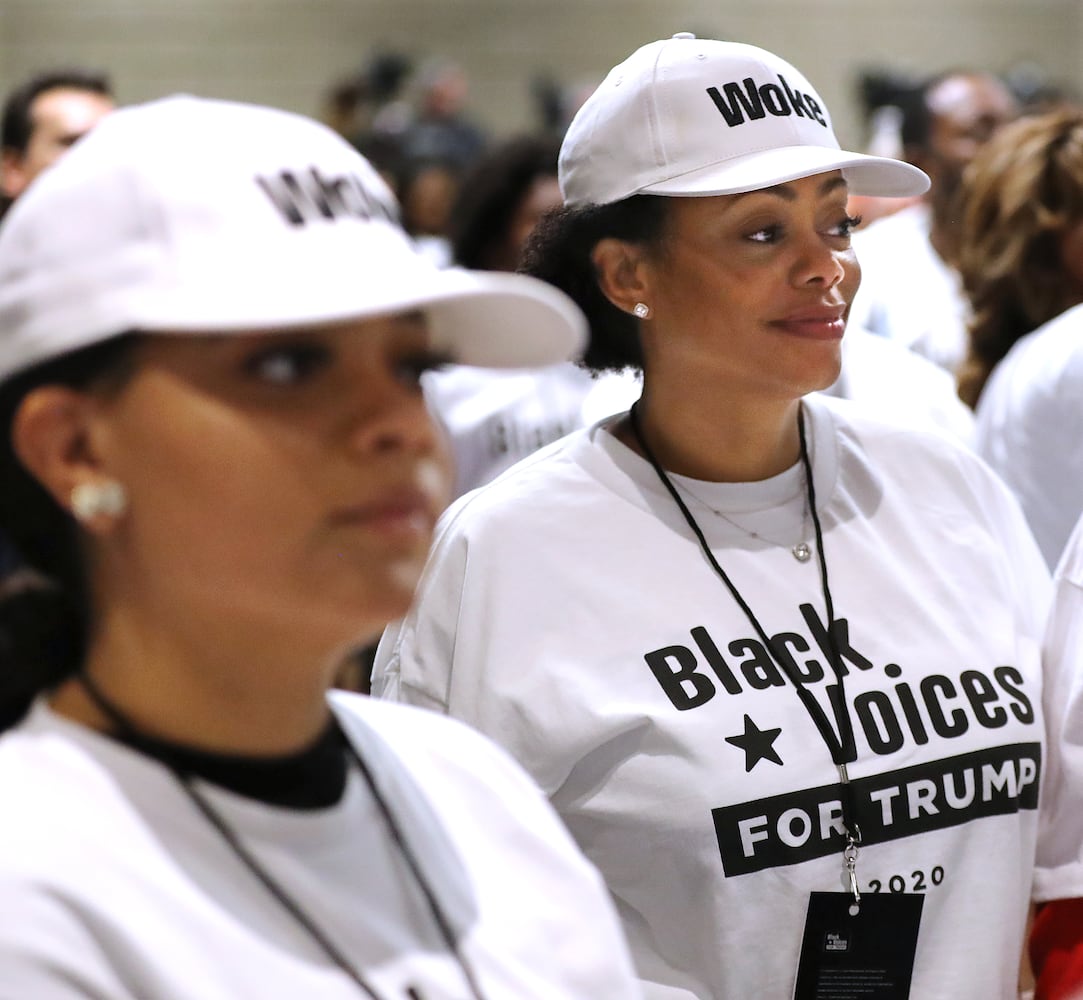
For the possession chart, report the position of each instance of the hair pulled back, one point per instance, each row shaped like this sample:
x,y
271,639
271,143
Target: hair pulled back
x,y
1022,192
559,252
491,193
43,604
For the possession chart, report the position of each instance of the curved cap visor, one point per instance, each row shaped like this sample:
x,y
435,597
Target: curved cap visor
x,y
877,176
500,320
136,228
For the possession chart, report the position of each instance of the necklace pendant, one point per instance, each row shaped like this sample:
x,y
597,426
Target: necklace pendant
x,y
802,552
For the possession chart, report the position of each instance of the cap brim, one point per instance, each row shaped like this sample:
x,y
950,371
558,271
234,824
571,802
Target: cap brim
x,y
484,318
137,230
866,175
499,320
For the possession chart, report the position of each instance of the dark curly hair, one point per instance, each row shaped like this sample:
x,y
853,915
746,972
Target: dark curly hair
x,y
559,251
1021,193
490,195
43,605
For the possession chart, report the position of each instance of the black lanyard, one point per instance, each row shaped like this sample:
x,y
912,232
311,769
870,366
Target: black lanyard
x,y
841,746
128,731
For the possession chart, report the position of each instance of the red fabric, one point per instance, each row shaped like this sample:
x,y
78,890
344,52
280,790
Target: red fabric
x,y
1056,950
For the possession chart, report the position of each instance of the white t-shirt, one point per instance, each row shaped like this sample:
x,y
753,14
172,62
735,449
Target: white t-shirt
x,y
1062,800
907,292
1029,427
113,886
568,612
899,385
496,417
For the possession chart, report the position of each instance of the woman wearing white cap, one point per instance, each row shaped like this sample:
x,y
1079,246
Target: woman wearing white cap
x,y
774,661
217,460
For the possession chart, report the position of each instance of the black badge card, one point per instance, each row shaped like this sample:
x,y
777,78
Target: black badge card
x,y
868,955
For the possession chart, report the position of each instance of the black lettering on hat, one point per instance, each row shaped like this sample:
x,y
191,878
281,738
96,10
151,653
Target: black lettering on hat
x,y
815,109
774,99
745,101
311,197
749,102
797,99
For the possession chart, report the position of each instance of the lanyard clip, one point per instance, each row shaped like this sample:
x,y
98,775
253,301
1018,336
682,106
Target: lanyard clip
x,y
853,838
849,875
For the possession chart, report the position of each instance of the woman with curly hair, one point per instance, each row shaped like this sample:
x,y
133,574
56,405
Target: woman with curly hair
x,y
1021,262
1024,199
742,632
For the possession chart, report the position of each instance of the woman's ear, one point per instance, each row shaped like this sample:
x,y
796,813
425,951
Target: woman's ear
x,y
621,270
53,436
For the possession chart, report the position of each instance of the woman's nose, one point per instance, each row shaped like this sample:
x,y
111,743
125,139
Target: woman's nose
x,y
820,263
398,420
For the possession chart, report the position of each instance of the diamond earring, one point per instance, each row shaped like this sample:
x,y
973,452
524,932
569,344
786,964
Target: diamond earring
x,y
642,310
91,500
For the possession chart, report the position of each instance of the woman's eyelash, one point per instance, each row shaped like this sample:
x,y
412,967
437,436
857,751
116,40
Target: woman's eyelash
x,y
290,364
765,234
286,363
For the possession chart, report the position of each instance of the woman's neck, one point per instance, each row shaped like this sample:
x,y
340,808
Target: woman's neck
x,y
715,442
218,696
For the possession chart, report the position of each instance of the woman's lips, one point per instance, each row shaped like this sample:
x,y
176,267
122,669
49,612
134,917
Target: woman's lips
x,y
816,324
407,512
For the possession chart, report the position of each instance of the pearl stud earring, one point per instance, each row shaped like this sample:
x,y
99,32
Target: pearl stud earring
x,y
91,500
642,310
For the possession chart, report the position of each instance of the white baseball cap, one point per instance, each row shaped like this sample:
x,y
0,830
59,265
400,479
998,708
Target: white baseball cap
x,y
696,117
195,215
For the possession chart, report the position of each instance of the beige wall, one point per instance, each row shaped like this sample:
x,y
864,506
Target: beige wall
x,y
285,52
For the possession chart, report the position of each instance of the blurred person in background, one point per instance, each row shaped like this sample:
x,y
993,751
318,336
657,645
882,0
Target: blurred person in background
x,y
218,464
501,201
493,418
43,117
442,128
426,188
368,109
1020,256
41,120
882,95
556,101
438,144
910,290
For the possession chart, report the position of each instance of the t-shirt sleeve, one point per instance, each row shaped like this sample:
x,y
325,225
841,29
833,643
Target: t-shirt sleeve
x,y
413,659
1060,841
1030,575
1027,428
46,951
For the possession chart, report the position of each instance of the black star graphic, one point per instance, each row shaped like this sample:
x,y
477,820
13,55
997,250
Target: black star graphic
x,y
758,744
